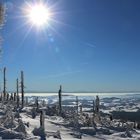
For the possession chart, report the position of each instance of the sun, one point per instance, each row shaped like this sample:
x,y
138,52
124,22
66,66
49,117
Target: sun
x,y
38,14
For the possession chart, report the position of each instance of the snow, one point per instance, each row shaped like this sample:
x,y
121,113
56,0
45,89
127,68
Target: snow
x,y
13,126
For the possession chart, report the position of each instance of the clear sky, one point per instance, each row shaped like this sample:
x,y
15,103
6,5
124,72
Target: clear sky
x,y
94,45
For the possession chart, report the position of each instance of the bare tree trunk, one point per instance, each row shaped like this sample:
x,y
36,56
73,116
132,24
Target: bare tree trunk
x,y
93,108
60,100
17,94
77,102
42,120
2,14
22,88
36,103
4,83
2,21
81,110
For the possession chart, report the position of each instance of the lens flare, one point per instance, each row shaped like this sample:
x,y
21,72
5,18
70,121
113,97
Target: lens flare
x,y
38,14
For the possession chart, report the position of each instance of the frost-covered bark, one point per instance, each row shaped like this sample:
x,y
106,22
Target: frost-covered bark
x,y
60,100
22,89
17,93
4,83
2,21
36,104
42,120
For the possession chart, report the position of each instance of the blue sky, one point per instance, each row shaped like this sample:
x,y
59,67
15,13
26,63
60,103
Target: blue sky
x,y
94,46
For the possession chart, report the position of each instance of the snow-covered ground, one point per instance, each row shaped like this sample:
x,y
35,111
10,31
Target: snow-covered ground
x,y
21,124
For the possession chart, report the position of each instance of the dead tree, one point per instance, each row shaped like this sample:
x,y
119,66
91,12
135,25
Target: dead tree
x,y
77,102
22,88
81,109
11,97
4,83
93,107
14,96
2,14
97,107
60,100
0,97
7,97
2,21
36,103
97,104
76,121
17,93
42,120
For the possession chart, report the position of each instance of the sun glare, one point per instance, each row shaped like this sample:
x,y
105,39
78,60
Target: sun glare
x,y
38,14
